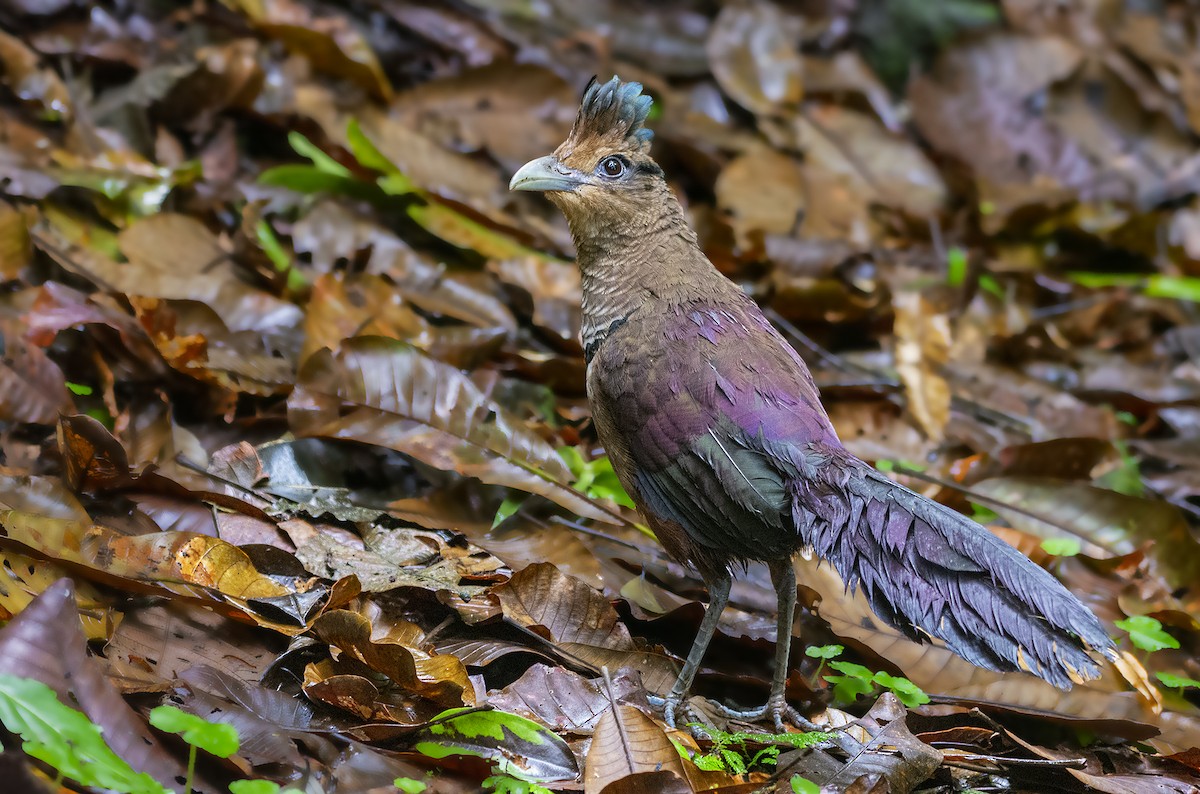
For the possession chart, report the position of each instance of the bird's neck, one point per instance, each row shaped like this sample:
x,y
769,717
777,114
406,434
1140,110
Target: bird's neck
x,y
649,261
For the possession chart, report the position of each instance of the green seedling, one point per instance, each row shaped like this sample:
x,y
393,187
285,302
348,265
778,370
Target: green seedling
x,y
1146,633
802,785
1177,682
857,680
730,751
824,653
65,739
595,478
507,784
212,737
260,787
1061,547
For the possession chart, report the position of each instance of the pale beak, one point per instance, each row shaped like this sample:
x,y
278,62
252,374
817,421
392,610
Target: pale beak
x,y
546,174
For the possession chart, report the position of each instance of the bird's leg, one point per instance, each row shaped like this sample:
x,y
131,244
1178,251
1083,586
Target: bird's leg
x,y
718,597
783,576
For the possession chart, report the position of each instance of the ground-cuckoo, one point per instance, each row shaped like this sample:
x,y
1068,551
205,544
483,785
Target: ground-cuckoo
x,y
715,428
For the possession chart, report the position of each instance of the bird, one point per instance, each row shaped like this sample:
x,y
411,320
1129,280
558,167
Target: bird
x,y
714,426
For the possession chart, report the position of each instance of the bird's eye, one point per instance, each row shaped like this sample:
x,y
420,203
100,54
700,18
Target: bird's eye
x,y
612,167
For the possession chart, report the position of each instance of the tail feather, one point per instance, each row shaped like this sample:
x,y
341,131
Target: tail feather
x,y
930,571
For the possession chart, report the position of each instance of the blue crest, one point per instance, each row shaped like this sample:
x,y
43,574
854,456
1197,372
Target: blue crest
x,y
615,107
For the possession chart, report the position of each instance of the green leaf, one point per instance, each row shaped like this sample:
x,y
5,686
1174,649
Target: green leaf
x,y
366,152
1186,288
506,784
1061,547
855,680
595,478
982,513
1126,478
906,691
393,182
853,670
823,651
216,738
410,786
1147,633
710,762
802,785
734,761
956,266
511,504
271,246
66,739
767,756
306,148
517,746
1172,681
308,179
990,285
846,689
79,389
253,787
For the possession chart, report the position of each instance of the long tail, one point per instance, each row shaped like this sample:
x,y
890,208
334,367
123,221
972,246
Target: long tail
x,y
930,571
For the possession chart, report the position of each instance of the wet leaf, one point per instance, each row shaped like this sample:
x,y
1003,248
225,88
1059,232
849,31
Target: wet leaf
x,y
44,643
517,746
413,404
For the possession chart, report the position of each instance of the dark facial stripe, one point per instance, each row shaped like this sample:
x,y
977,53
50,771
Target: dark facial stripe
x,y
649,169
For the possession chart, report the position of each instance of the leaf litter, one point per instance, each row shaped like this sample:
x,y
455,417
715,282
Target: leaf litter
x,y
292,429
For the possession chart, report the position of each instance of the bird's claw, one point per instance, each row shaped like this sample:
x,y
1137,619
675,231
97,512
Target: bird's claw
x,y
672,706
775,708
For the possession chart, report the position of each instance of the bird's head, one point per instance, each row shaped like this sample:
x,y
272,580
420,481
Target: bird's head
x,y
602,175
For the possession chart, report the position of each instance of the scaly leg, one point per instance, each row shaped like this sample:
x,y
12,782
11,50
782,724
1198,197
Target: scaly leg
x,y
718,598
783,576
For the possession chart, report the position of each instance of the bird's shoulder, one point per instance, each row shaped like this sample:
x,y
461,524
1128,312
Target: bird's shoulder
x,y
698,366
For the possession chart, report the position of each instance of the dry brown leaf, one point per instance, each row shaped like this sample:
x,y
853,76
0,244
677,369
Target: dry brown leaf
x,y
562,700
32,83
514,111
562,608
331,42
165,557
1108,524
44,643
155,645
342,306
32,387
762,192
398,654
626,742
922,350
753,53
421,407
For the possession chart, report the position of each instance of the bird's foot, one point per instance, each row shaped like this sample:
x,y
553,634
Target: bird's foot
x,y
777,709
675,707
